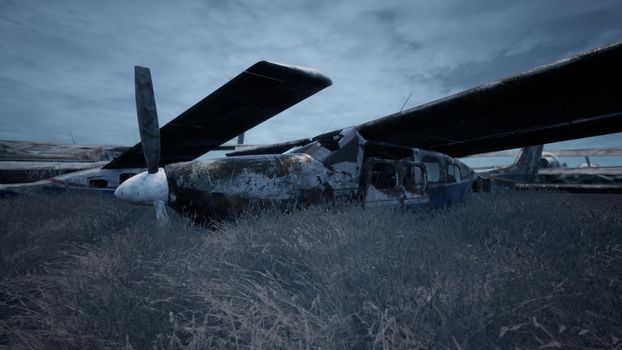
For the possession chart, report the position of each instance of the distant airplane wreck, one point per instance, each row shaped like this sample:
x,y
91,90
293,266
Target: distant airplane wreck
x,y
404,159
552,174
25,162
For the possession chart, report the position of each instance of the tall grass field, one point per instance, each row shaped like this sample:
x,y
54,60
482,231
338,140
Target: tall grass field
x,y
513,271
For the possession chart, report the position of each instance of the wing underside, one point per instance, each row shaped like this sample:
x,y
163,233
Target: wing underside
x,y
276,148
573,98
257,94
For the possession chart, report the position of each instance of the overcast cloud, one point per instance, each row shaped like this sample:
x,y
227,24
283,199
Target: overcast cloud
x,y
68,65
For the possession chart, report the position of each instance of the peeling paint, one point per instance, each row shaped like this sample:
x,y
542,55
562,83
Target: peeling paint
x,y
220,187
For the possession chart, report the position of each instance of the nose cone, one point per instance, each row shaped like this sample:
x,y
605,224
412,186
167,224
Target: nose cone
x,y
144,188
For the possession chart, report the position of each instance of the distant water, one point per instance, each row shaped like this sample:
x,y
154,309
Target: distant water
x,y
484,162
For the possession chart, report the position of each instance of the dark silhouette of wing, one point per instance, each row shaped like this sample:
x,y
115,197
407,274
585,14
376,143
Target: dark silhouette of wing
x,y
257,94
275,148
573,98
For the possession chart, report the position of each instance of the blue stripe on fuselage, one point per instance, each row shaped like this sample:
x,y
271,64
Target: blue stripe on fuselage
x,y
444,195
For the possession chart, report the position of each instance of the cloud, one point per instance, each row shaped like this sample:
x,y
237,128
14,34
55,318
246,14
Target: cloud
x,y
68,65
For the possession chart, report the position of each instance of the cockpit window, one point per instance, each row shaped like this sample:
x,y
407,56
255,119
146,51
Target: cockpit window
x,y
98,183
125,176
383,176
453,174
330,140
433,168
415,179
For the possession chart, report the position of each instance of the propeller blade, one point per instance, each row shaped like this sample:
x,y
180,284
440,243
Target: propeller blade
x,y
147,118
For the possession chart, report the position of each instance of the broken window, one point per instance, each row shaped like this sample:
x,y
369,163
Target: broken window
x,y
410,182
433,168
453,174
98,183
415,178
383,176
125,176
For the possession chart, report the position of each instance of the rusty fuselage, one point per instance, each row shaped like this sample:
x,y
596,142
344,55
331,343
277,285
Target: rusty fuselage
x,y
333,168
339,167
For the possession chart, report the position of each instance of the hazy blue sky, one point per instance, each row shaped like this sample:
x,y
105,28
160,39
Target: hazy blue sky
x,y
68,65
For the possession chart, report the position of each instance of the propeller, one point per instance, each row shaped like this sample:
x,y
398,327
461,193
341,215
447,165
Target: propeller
x,y
147,118
151,186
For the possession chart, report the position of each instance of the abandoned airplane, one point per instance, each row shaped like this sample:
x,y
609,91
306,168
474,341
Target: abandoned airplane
x,y
407,158
553,174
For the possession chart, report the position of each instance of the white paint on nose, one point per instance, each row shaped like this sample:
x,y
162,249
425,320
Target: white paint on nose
x,y
144,188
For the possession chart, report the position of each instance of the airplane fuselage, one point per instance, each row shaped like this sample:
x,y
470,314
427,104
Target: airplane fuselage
x,y
91,179
334,168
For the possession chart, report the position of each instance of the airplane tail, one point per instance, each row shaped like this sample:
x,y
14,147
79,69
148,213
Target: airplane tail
x,y
524,168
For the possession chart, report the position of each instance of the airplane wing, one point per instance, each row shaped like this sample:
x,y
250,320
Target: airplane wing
x,y
605,173
596,152
573,98
588,179
574,188
276,148
55,152
255,95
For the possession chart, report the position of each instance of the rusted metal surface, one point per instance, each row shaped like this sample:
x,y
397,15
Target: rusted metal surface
x,y
335,168
224,187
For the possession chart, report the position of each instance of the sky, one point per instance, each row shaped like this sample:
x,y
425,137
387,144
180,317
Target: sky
x,y
66,67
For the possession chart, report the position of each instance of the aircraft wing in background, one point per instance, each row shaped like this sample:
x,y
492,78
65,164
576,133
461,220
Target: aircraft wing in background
x,y
54,152
583,152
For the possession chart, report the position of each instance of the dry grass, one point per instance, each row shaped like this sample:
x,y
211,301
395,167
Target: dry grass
x,y
522,271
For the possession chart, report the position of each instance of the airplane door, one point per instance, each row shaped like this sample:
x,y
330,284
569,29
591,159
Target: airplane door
x,y
415,184
395,183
